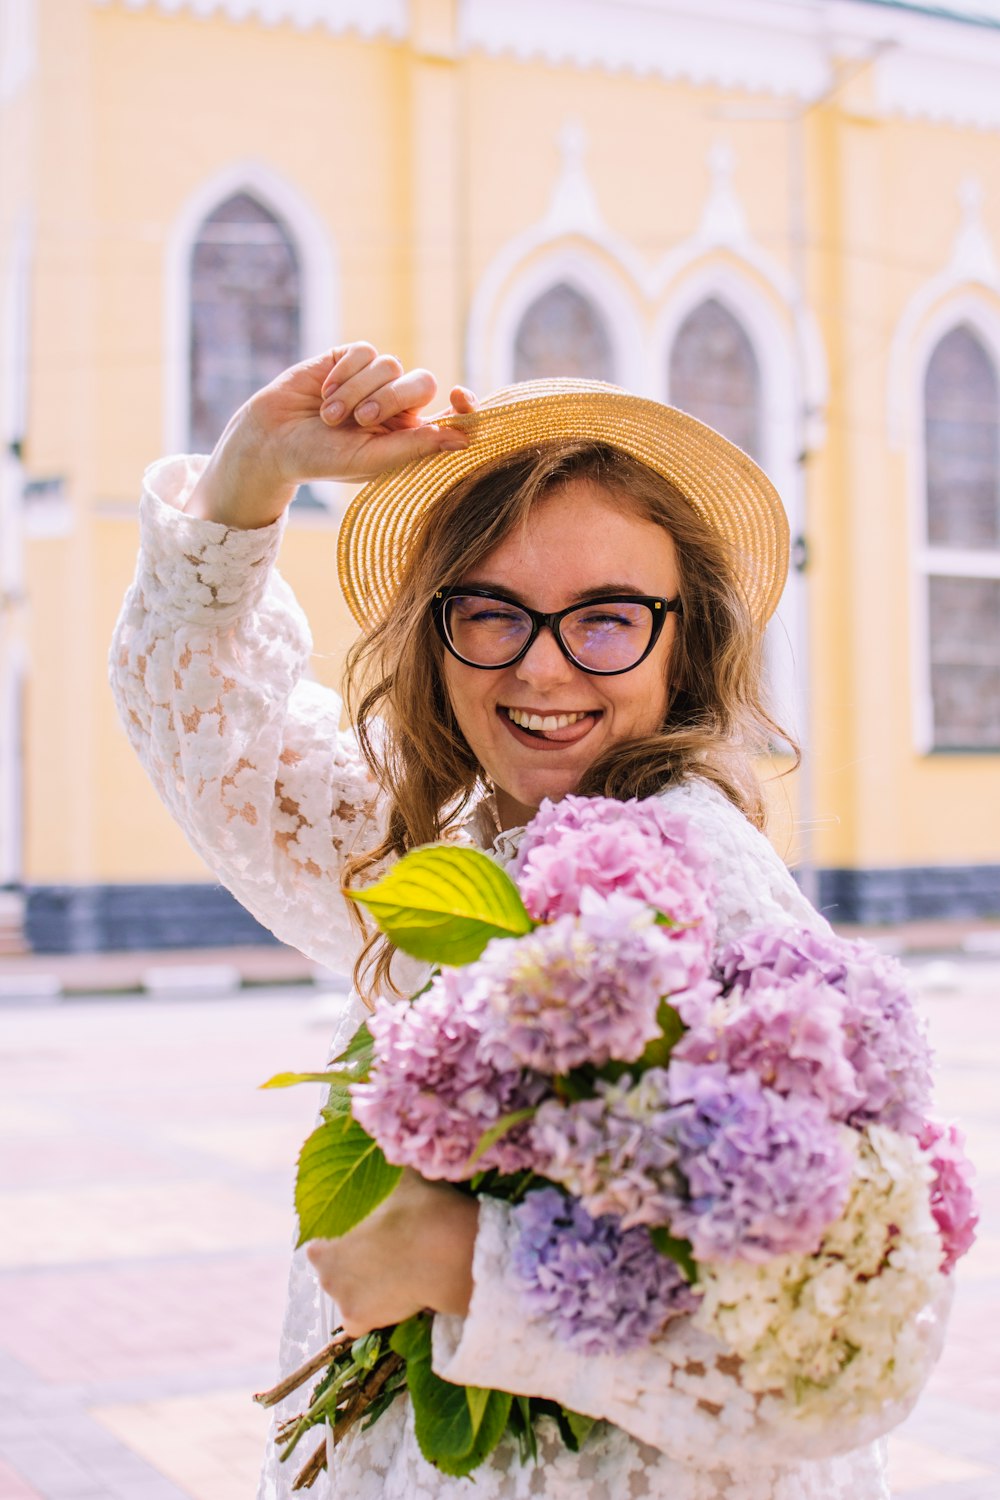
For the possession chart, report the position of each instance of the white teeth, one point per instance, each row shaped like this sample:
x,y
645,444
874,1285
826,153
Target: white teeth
x,y
544,723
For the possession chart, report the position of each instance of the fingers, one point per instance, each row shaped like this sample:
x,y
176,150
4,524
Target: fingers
x,y
391,450
463,400
373,389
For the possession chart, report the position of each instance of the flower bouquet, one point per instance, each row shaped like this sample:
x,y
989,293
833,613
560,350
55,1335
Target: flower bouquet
x,y
734,1142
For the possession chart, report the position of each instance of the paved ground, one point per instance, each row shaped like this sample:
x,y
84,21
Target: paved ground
x,y
144,1204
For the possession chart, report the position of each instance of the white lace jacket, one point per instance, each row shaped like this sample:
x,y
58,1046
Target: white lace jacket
x,y
207,670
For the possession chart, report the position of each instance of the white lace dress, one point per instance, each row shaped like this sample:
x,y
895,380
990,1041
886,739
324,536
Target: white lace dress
x,y
207,670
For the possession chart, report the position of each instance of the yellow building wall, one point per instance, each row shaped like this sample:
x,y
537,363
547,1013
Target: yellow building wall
x,y
422,166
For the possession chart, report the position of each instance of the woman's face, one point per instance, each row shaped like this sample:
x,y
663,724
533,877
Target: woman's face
x,y
578,541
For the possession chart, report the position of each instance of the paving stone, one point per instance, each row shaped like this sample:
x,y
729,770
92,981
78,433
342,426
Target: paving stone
x,y
147,1194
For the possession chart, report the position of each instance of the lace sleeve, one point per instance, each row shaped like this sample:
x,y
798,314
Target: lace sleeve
x,y
206,669
753,885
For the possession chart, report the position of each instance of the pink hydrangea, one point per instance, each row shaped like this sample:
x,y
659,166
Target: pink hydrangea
x,y
953,1201
638,848
432,1093
583,989
884,1038
791,1034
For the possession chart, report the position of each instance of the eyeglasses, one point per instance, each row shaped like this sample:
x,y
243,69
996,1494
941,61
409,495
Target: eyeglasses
x,y
602,636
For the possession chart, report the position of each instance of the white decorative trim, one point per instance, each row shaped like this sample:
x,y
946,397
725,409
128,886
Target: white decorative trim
x,y
369,18
723,232
924,66
971,271
761,45
18,46
320,312
959,562
940,70
973,257
13,675
572,244
723,219
15,333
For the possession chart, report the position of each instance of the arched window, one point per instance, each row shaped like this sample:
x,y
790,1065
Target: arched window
x,y
562,333
962,555
714,375
245,312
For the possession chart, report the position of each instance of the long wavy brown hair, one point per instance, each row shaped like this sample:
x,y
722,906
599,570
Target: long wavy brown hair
x,y
715,721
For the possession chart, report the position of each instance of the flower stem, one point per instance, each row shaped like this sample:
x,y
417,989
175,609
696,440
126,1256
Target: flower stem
x,y
298,1377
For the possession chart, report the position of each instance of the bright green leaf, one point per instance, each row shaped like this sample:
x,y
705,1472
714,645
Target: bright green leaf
x,y
447,1433
342,1176
441,1417
286,1080
443,904
351,1066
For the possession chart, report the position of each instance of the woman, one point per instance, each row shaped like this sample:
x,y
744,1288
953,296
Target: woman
x,y
564,590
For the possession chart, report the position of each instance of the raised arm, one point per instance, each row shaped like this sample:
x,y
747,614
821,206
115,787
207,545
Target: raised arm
x,y
208,658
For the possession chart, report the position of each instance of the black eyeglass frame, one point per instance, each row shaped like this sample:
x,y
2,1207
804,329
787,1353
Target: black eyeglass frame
x,y
659,609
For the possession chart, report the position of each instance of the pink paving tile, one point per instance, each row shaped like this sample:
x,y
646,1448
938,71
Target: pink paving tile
x,y
74,1157
138,1321
13,1487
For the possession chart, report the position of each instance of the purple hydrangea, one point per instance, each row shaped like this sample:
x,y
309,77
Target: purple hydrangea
x,y
885,1043
770,954
790,1034
582,989
953,1200
600,1288
642,849
432,1092
765,1174
613,1152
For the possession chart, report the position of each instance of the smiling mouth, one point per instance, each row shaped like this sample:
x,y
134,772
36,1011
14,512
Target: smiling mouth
x,y
551,728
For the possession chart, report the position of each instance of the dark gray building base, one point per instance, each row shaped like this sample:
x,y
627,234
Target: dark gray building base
x,y
913,893
103,918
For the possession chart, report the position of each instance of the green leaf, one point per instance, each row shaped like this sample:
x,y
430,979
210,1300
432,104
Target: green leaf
x,y
678,1250
657,1052
356,1059
342,1176
286,1080
448,1434
523,1427
499,1128
443,904
351,1066
491,1428
579,1426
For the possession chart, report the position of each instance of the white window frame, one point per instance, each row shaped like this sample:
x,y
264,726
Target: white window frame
x,y
773,340
493,323
319,319
981,315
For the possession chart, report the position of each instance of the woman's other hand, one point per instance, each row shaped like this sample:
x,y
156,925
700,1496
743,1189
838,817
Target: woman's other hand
x,y
413,1252
347,414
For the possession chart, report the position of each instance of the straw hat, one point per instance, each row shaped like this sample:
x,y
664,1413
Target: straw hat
x,y
723,485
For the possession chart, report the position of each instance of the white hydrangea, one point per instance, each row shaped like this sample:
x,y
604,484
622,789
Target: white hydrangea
x,y
849,1332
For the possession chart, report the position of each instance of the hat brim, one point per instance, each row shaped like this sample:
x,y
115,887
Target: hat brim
x,y
722,483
